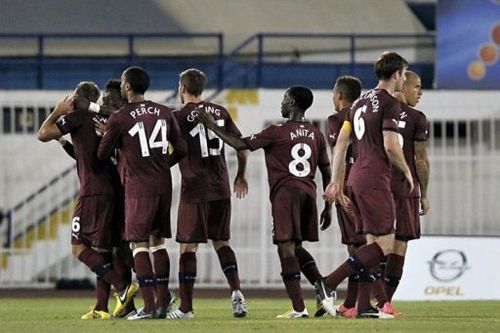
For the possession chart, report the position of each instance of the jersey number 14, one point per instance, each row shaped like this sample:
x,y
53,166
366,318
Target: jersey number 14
x,y
159,129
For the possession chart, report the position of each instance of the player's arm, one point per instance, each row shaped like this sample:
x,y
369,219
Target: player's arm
x,y
395,154
68,147
326,175
109,140
334,190
240,182
178,143
81,103
234,141
423,171
49,130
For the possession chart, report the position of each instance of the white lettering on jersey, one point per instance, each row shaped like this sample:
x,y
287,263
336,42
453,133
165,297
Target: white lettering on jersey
x,y
403,115
301,133
142,110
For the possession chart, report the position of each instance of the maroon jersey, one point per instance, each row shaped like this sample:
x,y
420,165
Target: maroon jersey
x,y
293,152
333,126
203,169
375,111
413,127
96,176
142,131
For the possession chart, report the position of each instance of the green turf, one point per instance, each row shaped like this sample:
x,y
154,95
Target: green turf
x,y
214,315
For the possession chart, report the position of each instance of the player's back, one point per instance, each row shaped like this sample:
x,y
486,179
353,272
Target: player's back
x,y
96,176
146,128
293,151
204,170
374,112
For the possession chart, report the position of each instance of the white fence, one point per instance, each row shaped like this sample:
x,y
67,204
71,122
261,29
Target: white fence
x,y
464,187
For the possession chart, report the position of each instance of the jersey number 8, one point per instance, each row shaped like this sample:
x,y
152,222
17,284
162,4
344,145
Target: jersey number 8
x,y
300,160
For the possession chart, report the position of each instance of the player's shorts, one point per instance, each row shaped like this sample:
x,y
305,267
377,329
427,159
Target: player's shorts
x,y
145,216
200,221
96,220
295,215
407,218
374,210
348,228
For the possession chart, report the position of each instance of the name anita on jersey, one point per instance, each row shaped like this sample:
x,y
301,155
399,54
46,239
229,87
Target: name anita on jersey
x,y
301,132
142,110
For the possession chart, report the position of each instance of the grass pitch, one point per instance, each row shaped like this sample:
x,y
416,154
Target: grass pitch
x,y
214,315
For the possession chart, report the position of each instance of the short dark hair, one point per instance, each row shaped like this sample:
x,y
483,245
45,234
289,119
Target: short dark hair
x,y
349,86
302,96
137,78
388,64
113,84
194,80
88,90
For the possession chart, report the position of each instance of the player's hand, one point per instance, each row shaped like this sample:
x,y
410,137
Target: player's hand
x,y
64,106
331,192
205,118
100,125
345,202
409,178
326,217
80,103
424,205
240,187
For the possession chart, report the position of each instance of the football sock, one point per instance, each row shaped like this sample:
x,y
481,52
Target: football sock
x,y
307,265
383,267
393,274
122,265
145,277
161,263
187,277
365,256
229,266
364,292
99,265
291,278
102,288
352,291
378,286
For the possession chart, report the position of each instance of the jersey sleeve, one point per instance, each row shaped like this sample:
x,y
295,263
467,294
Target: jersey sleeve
x,y
110,138
323,160
231,126
175,136
390,115
332,126
260,140
70,122
421,128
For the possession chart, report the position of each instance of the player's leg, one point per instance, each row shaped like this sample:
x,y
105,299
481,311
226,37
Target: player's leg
x,y
307,264
161,265
191,230
187,278
290,273
123,264
394,270
229,266
146,280
408,228
369,255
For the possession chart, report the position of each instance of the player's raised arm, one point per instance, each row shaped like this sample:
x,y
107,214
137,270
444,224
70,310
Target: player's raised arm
x,y
68,147
109,140
49,130
231,139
